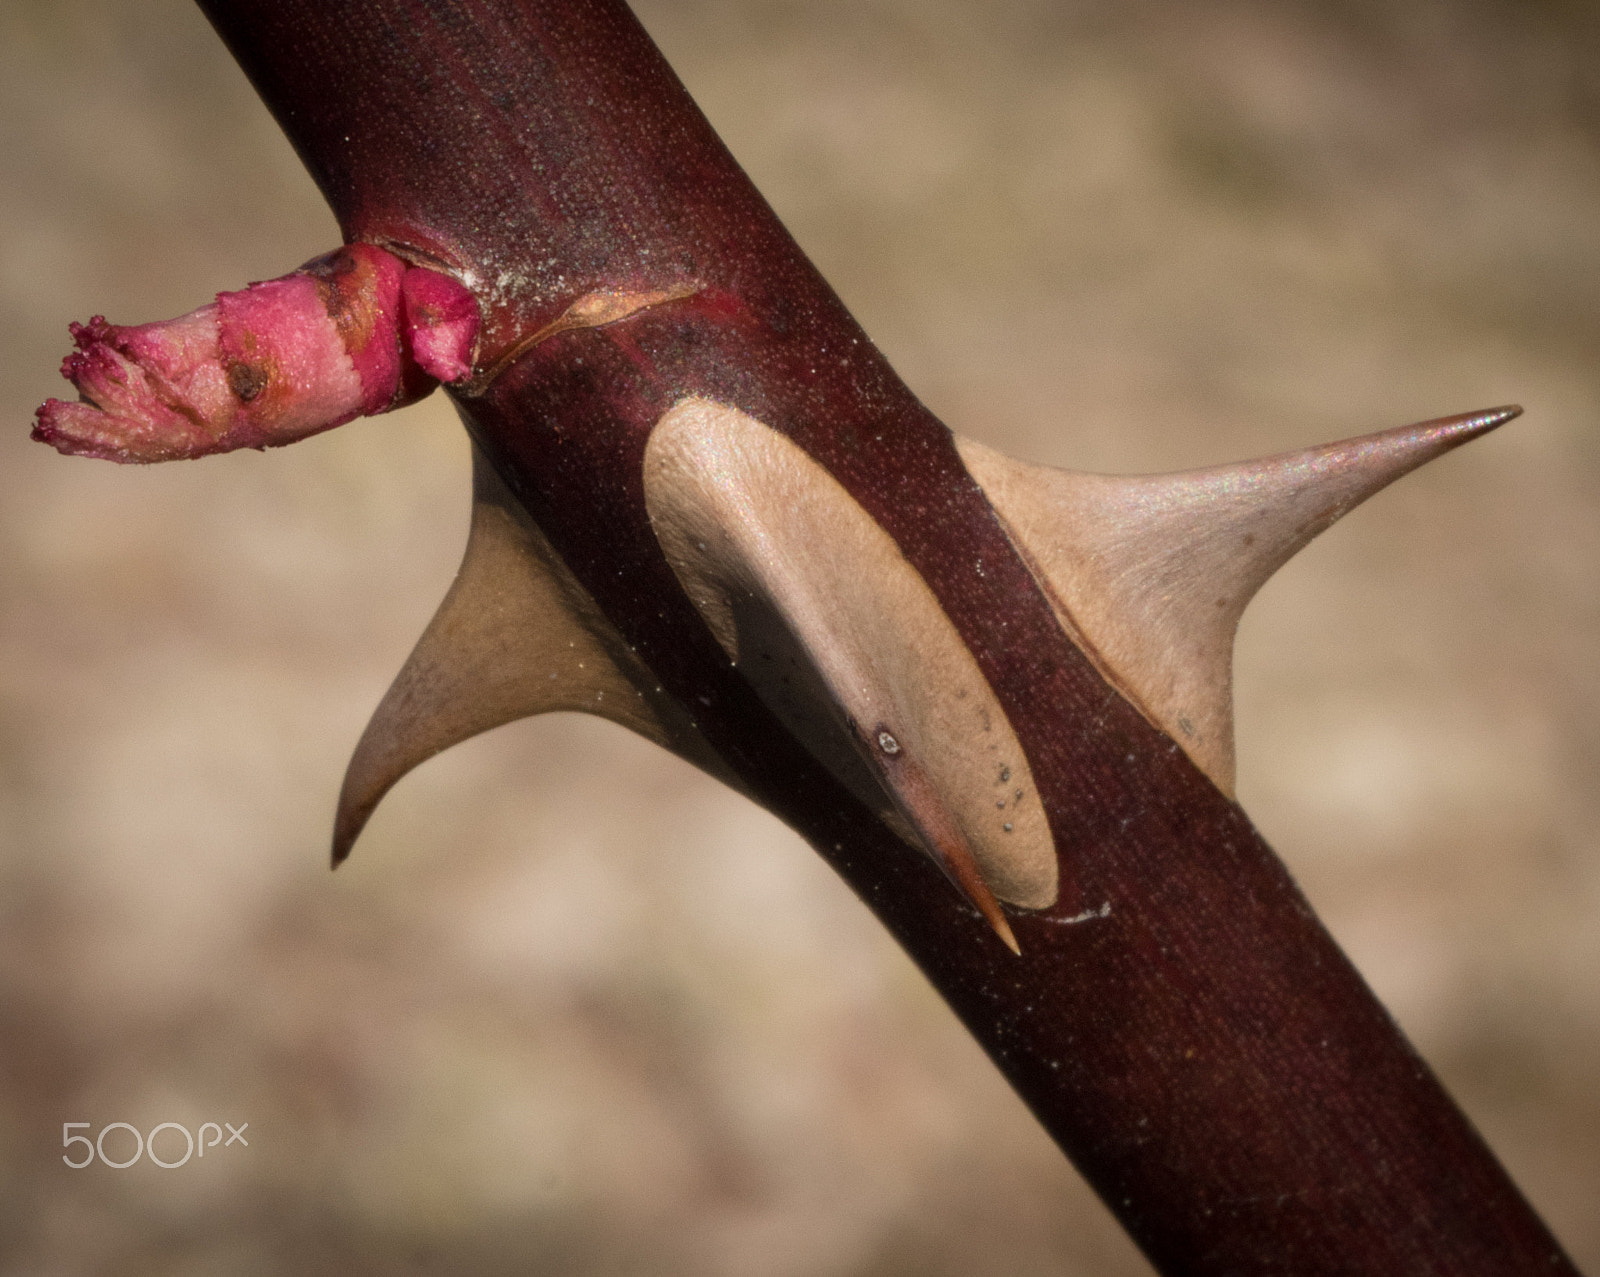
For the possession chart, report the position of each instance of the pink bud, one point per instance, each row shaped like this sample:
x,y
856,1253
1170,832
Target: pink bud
x,y
441,322
342,337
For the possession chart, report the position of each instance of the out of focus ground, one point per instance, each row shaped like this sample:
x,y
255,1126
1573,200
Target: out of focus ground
x,y
573,1009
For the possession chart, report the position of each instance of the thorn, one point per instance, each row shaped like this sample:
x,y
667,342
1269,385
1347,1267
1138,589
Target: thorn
x,y
1150,573
918,801
842,639
960,867
515,636
1471,424
1377,460
347,828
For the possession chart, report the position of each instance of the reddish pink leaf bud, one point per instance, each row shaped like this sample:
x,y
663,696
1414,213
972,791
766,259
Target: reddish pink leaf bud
x,y
441,322
359,287
346,335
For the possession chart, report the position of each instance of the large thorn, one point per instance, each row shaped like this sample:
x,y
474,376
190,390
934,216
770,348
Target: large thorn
x,y
1150,573
516,635
844,641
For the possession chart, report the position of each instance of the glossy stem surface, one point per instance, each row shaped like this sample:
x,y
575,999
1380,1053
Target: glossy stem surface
x,y
1180,1021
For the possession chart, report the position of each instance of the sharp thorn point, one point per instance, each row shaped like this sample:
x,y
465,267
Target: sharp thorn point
x,y
1469,425
1492,417
956,859
347,827
1002,928
1464,426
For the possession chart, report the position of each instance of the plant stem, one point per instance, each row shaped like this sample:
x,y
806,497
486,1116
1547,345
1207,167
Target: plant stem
x,y
1179,1020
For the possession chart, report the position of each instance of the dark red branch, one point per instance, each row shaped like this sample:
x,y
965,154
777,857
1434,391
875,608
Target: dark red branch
x,y
1198,1045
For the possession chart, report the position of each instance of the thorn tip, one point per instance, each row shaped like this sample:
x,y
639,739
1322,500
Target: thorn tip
x,y
955,857
1492,417
1469,425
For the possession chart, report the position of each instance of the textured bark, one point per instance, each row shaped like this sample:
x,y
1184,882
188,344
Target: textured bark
x,y
1179,1019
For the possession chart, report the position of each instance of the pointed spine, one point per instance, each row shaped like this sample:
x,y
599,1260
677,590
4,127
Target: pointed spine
x,y
1151,573
515,636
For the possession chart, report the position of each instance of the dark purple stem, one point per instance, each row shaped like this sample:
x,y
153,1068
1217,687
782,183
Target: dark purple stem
x,y
1194,1039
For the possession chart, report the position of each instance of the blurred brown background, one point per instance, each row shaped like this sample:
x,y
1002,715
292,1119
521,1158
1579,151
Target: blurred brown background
x,y
573,1009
